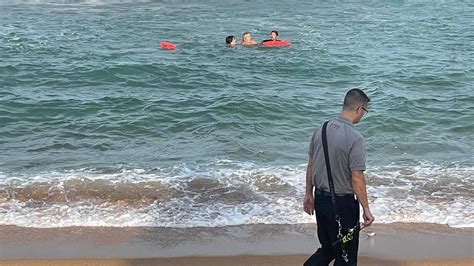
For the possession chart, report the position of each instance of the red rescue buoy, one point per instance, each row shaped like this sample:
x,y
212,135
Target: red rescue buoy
x,y
167,45
277,43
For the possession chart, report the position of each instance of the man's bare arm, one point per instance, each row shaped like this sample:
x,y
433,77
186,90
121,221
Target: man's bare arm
x,y
308,203
360,189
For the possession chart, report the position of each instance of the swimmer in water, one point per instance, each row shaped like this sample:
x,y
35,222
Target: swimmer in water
x,y
274,36
247,39
231,41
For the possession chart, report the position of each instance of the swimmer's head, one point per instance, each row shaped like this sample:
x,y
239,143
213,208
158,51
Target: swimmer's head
x,y
274,34
230,40
246,36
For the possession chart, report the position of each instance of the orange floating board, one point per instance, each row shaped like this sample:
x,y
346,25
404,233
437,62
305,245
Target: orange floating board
x,y
276,43
167,45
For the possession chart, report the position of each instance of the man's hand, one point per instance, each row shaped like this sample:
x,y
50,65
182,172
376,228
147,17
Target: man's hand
x,y
308,204
368,218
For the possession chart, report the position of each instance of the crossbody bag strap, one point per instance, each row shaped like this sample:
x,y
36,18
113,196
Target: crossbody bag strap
x,y
328,169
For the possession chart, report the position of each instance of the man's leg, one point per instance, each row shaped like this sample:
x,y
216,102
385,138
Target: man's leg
x,y
349,212
324,255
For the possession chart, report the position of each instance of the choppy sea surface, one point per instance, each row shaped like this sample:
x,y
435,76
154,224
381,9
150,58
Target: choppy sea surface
x,y
101,126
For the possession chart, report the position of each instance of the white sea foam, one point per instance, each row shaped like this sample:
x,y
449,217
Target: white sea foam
x,y
225,192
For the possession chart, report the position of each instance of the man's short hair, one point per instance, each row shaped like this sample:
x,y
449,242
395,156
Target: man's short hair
x,y
229,39
355,98
276,32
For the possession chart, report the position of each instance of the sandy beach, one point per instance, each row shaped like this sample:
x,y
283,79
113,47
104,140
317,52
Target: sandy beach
x,y
393,244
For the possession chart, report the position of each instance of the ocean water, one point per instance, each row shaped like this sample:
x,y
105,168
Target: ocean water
x,y
100,126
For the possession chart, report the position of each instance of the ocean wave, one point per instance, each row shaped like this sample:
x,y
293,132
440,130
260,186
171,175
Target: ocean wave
x,y
85,84
224,192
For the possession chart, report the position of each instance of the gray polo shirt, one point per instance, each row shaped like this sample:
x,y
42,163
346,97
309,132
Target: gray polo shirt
x,y
346,148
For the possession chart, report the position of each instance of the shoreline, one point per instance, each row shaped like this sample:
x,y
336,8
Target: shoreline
x,y
258,244
278,260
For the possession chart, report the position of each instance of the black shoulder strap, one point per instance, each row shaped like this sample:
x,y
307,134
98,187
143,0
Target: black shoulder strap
x,y
328,168
341,239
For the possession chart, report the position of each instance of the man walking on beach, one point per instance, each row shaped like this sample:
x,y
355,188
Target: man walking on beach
x,y
336,216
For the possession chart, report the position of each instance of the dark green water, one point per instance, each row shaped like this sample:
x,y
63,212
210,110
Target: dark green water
x,y
89,100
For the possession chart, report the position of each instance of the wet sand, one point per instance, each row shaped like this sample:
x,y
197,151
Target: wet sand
x,y
393,244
